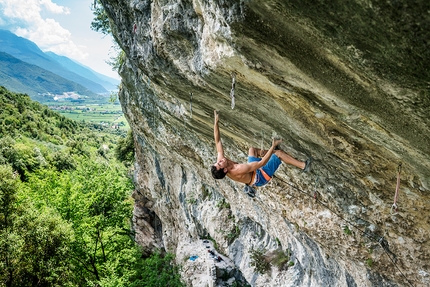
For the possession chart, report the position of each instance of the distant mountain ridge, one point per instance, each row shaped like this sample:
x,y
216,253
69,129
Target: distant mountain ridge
x,y
107,82
22,77
28,52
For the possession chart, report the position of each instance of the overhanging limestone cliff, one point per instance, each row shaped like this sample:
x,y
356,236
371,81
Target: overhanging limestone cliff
x,y
340,82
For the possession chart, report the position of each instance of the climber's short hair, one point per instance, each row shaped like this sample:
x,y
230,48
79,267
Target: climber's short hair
x,y
217,173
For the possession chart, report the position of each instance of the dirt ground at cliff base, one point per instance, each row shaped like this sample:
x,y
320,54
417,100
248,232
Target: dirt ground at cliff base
x,y
199,265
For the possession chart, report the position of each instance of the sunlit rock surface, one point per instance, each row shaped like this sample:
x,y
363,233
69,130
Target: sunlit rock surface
x,y
346,82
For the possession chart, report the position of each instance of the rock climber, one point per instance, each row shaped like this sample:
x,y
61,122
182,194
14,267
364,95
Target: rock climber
x,y
260,167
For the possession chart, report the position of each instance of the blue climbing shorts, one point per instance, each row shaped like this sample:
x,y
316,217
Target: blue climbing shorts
x,y
264,174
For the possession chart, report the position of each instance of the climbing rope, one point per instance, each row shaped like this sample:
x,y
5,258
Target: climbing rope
x,y
396,195
380,240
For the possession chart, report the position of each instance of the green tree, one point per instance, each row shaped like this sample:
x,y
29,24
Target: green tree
x,y
44,254
100,22
95,198
124,150
62,160
157,271
22,156
8,208
34,244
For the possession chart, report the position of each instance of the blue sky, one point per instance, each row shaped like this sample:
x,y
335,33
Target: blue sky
x,y
60,26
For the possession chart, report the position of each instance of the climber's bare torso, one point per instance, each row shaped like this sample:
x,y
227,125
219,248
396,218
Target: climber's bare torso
x,y
240,172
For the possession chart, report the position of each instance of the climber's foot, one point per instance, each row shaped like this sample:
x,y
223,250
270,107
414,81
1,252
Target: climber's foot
x,y
249,190
308,164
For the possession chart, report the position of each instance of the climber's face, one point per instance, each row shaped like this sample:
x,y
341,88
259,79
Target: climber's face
x,y
222,163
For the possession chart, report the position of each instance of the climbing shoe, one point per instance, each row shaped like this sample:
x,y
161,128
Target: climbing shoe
x,y
308,164
249,190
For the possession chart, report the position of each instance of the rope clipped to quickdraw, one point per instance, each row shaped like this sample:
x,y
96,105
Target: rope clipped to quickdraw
x,y
233,84
191,105
396,195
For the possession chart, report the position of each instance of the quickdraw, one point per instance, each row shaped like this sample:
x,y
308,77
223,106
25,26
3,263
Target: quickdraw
x,y
233,84
262,140
384,244
191,105
394,206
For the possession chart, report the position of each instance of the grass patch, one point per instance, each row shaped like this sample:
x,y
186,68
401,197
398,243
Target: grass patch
x,y
280,259
205,192
223,204
233,234
346,230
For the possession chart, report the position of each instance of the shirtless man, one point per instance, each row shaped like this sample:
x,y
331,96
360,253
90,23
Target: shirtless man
x,y
257,171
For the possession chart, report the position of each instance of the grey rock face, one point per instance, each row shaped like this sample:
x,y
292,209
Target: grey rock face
x,y
345,83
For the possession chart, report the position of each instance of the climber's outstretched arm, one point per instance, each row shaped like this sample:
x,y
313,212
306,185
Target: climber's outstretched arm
x,y
217,137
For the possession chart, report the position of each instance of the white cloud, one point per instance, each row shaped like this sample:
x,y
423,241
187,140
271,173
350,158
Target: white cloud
x,y
54,8
21,9
45,32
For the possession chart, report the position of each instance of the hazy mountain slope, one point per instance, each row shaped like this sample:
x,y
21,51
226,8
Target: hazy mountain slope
x,y
77,68
29,52
19,76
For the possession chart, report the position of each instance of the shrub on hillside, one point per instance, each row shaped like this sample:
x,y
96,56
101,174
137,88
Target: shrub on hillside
x,y
124,150
62,160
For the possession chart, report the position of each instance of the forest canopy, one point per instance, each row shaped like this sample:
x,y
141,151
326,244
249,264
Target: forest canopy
x,y
65,203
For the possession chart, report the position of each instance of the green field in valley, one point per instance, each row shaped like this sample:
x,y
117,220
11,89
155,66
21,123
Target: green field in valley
x,y
107,114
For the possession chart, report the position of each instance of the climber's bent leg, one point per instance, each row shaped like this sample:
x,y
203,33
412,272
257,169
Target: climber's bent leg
x,y
256,152
289,159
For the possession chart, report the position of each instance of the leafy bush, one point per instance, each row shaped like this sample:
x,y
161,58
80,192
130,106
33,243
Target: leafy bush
x,y
21,156
258,261
124,150
63,160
